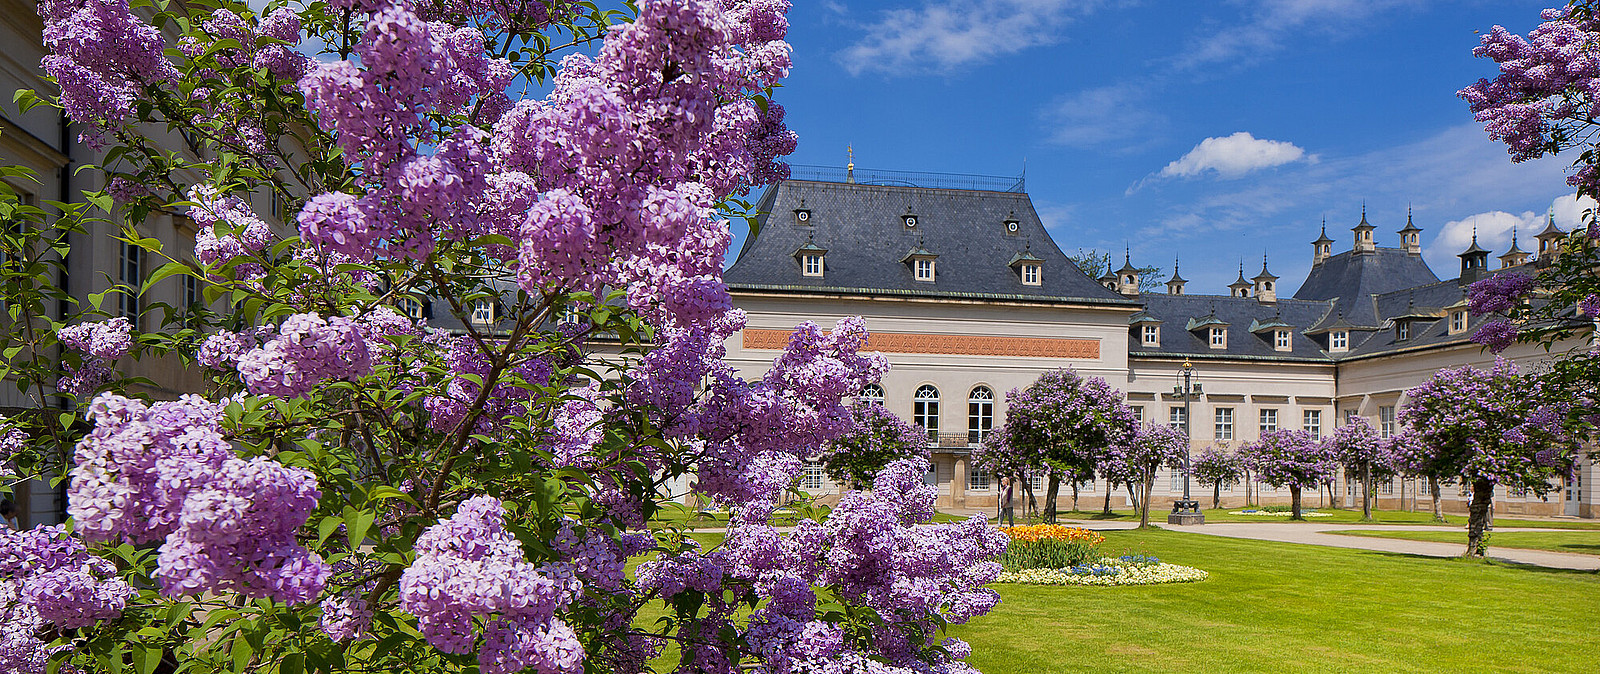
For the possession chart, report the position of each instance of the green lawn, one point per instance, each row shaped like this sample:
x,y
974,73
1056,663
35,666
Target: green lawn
x,y
1585,542
1279,607
1339,516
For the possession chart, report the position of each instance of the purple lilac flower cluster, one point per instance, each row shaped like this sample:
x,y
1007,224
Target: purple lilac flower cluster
x,y
49,581
164,472
1356,444
101,343
1497,426
1498,293
469,365
1062,419
101,54
1153,446
469,567
1548,80
229,231
307,351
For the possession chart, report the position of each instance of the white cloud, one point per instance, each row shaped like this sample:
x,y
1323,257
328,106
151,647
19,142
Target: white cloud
x,y
1269,23
1494,230
1233,156
1102,115
945,34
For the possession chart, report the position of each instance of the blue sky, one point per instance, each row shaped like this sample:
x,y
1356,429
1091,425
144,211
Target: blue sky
x,y
1311,108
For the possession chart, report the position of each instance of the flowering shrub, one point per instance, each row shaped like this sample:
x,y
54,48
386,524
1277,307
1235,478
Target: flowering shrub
x,y
1268,512
1048,546
355,489
877,438
1290,458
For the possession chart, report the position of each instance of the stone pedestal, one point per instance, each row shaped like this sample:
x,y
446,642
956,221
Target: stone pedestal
x,y
1186,512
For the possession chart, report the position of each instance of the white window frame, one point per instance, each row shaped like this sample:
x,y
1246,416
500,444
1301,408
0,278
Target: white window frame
x,y
871,393
1152,334
1176,418
924,268
1269,419
1031,275
1458,322
1311,422
980,413
1219,338
811,265
130,273
925,409
1138,413
811,476
485,311
1385,421
1338,340
978,478
1403,331
1222,422
1281,340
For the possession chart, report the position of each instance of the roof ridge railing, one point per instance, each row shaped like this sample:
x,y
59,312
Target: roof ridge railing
x,y
925,179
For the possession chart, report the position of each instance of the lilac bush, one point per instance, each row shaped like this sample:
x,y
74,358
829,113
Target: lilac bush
x,y
1062,423
1489,428
357,488
877,438
1542,102
1290,458
1154,446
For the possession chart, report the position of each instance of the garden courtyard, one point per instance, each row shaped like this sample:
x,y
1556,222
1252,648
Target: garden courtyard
x,y
1269,606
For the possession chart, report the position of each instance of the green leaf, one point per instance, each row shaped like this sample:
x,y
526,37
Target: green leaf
x,y
326,527
145,658
164,271
357,524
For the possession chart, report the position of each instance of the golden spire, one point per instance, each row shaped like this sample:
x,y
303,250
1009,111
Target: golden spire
x,y
850,168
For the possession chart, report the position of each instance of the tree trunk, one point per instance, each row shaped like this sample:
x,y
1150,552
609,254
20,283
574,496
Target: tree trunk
x,y
1074,496
1433,487
1249,486
1216,495
1108,498
1029,506
1050,498
1133,499
1144,498
1478,516
1366,492
1294,494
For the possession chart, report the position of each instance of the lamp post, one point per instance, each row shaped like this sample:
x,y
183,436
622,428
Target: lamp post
x,y
1186,511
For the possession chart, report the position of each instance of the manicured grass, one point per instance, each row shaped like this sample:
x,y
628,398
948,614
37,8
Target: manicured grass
x,y
1280,607
1584,542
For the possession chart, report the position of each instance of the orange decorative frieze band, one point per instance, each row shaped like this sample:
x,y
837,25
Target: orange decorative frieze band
x,y
951,345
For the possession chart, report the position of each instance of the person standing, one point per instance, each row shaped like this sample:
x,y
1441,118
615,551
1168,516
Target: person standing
x,y
8,513
1006,512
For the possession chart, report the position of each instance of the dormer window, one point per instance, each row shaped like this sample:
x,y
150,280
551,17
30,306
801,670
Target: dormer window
x,y
1152,335
1219,338
1402,331
1280,340
1031,274
811,264
1458,322
924,269
484,312
1339,340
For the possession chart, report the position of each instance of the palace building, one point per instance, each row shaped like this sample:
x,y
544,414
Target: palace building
x,y
969,297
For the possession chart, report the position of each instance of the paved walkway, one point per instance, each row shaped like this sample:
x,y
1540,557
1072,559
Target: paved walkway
x,y
1315,533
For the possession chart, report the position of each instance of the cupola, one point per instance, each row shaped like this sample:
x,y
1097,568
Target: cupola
x,y
1266,285
1128,276
1241,287
1175,284
1516,256
1474,260
1363,232
1550,239
1411,236
1322,248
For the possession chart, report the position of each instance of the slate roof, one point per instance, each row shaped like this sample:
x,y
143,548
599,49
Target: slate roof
x,y
862,228
1240,314
1352,280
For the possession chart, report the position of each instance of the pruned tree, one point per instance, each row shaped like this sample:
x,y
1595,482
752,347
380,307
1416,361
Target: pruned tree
x,y
1154,446
877,438
1289,458
1361,451
1217,466
1063,422
1489,428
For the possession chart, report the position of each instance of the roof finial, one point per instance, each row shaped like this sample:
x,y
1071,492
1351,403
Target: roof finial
x,y
1174,265
1474,231
1513,235
850,167
1127,254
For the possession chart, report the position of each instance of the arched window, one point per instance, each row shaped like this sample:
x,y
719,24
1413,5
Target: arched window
x,y
925,409
980,414
871,393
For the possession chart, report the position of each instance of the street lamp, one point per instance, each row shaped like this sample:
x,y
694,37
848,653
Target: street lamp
x,y
1186,511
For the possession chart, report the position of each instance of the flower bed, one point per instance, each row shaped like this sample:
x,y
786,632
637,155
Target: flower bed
x,y
1108,571
1048,546
1279,513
